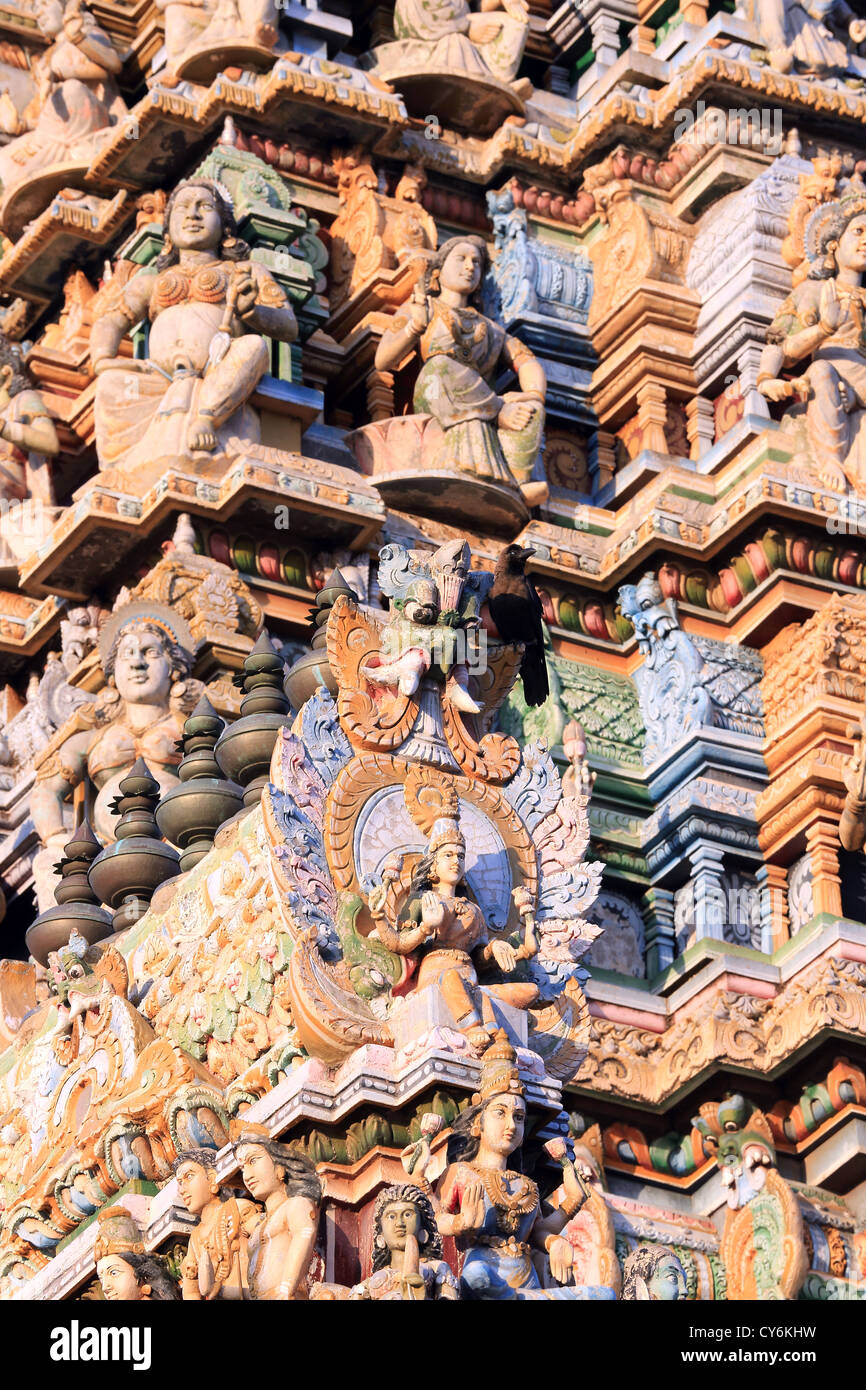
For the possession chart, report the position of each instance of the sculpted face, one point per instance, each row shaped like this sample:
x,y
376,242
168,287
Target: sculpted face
x,y
195,223
142,668
502,1124
118,1280
194,1186
461,271
260,1174
667,1283
399,1220
49,16
449,865
851,254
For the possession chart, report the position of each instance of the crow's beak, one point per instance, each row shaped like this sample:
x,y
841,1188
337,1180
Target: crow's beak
x,y
527,552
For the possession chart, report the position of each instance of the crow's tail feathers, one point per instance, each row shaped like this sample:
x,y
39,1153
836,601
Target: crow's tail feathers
x,y
533,669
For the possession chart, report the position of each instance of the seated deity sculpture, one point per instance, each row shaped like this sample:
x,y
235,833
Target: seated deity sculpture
x,y
407,1250
484,435
447,928
453,36
209,310
184,23
76,101
194,28
215,1264
821,323
281,1244
811,38
146,654
652,1273
512,1242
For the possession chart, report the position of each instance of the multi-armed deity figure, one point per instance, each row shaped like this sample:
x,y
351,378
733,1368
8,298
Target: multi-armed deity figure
x,y
496,1212
281,1244
485,435
823,320
210,309
76,101
146,654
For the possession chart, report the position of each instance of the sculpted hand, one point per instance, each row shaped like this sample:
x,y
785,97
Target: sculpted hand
x,y
472,1206
561,1258
574,1191
830,309
415,1158
516,415
504,955
419,315
246,291
857,30
432,911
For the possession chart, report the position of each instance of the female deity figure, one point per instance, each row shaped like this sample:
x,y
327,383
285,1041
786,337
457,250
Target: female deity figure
x,y
811,37
407,1250
489,436
494,1211
824,318
442,922
281,1245
147,657
210,309
76,99
653,1273
130,1278
27,433
215,1264
448,35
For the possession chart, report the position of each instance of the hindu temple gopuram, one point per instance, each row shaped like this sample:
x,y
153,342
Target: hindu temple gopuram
x,y
432,650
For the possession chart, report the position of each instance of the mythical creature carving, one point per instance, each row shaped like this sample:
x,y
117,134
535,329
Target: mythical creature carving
x,y
372,232
530,276
763,1246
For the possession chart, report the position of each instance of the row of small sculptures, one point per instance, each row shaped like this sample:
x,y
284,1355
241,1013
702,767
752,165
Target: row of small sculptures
x,y
511,1241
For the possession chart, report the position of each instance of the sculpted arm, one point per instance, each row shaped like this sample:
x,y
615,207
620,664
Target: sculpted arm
x,y
109,331
530,373
398,341
301,1221
270,312
60,772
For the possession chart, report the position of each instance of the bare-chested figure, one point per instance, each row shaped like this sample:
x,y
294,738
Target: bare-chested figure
x,y
281,1244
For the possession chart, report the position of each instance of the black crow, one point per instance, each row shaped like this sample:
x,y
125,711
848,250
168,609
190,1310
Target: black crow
x,y
516,610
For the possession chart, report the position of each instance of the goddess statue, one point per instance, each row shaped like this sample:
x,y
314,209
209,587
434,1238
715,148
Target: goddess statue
x,y
442,922
210,310
808,37
133,1278
215,1264
281,1244
407,1250
486,435
451,36
652,1273
823,318
76,99
146,651
496,1212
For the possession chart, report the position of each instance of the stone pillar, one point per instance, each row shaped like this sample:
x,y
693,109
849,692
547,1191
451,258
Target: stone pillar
x,y
602,459
661,946
643,38
604,27
694,11
700,425
822,846
707,867
652,414
748,364
380,395
775,927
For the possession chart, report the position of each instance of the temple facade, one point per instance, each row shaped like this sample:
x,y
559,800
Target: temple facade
x,y
432,650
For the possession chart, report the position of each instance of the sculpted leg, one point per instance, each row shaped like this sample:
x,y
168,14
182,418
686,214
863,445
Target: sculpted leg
x,y
828,423
225,388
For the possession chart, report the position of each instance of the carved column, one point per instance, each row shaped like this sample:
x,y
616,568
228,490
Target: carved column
x,y
775,927
652,414
748,364
602,459
643,39
605,37
822,845
658,908
707,865
700,425
694,11
380,395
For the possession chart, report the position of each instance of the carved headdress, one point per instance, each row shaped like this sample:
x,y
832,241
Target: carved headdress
x,y
500,1074
119,1233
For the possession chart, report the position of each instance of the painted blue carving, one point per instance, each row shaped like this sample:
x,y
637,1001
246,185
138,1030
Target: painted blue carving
x,y
535,789
326,743
529,276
